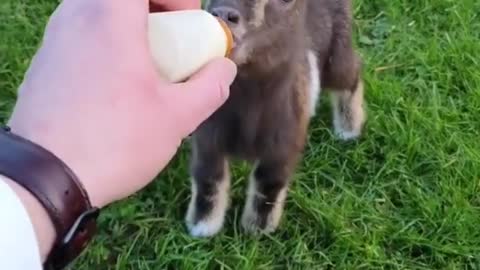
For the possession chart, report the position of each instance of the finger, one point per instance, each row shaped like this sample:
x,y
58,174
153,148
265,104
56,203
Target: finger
x,y
132,14
125,16
203,93
163,5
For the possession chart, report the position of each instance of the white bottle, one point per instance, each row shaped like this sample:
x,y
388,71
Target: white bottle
x,y
182,42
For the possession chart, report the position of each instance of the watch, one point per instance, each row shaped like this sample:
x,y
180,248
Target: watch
x,y
57,188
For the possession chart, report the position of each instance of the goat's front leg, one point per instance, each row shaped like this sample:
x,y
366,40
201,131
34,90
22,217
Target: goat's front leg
x,y
210,187
266,195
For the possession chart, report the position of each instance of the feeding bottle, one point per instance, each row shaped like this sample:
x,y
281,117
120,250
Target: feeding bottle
x,y
182,42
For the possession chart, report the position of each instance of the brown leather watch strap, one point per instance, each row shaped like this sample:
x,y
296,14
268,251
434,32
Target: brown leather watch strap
x,y
58,190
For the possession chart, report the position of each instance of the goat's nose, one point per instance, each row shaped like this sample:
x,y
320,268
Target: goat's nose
x,y
227,14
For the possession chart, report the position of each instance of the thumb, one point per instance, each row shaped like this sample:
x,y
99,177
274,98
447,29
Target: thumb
x,y
204,92
162,5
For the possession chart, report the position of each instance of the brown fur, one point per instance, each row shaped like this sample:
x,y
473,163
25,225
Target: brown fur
x,y
266,118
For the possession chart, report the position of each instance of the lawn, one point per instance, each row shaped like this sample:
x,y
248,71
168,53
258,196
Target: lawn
x,y
405,196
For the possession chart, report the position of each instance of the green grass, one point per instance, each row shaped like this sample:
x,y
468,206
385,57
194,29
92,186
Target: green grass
x,y
406,196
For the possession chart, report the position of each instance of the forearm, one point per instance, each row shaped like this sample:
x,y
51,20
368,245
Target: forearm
x,y
42,224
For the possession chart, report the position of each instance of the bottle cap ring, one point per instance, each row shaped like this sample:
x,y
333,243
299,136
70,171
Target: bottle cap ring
x,y
229,35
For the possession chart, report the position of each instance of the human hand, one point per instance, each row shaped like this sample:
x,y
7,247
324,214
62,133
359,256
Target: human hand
x,y
92,97
160,5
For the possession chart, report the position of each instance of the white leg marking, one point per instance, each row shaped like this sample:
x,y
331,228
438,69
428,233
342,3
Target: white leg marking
x,y
314,90
213,223
250,216
348,113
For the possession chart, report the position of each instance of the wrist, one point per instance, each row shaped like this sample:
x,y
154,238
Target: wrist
x,y
41,222
46,181
66,152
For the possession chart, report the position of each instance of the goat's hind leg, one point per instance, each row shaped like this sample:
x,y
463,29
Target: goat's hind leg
x,y
348,111
342,77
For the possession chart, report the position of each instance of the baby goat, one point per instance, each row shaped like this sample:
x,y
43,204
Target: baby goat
x,y
286,51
